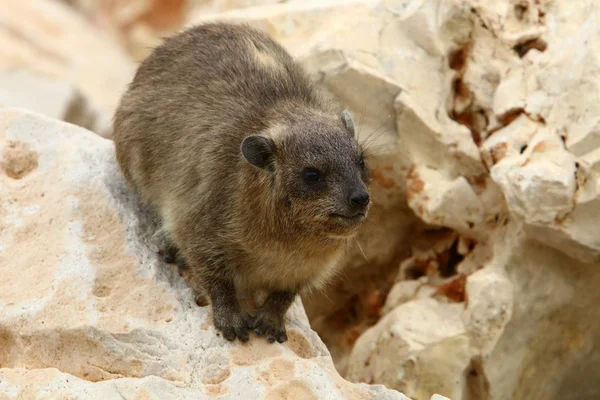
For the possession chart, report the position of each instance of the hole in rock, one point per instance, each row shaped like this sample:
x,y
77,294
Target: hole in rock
x,y
477,385
457,59
432,256
473,118
454,290
351,305
522,48
449,259
510,116
564,140
354,301
9,349
416,271
462,107
18,159
521,10
461,91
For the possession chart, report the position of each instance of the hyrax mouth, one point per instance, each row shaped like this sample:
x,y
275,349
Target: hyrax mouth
x,y
348,218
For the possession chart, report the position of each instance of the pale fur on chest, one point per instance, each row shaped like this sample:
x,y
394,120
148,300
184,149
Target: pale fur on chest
x,y
270,269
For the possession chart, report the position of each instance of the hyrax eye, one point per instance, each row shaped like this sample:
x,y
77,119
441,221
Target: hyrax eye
x,y
362,163
311,176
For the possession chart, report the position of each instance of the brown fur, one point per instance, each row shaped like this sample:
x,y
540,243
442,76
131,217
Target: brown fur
x,y
240,224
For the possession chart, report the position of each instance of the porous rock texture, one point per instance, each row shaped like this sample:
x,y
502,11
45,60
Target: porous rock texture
x,y
89,311
483,251
78,71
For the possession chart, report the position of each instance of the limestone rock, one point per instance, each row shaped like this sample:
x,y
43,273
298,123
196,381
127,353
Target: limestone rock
x,y
548,173
475,276
48,39
219,6
516,85
88,310
55,99
135,24
298,25
530,317
140,25
424,343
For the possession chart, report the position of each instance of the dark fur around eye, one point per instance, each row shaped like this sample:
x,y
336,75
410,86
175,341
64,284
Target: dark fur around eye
x,y
311,176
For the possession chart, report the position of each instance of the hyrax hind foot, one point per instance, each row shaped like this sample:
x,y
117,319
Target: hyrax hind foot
x,y
171,256
270,318
273,327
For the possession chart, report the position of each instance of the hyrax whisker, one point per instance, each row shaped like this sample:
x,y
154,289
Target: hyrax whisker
x,y
361,250
360,122
374,137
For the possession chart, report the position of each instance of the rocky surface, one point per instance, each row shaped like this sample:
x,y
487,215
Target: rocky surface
x,y
475,277
46,41
139,25
88,310
43,95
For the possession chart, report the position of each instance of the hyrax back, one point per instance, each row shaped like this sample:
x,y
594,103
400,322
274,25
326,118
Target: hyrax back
x,y
257,182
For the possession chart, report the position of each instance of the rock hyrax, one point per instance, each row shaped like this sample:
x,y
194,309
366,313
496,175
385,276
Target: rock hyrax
x,y
257,182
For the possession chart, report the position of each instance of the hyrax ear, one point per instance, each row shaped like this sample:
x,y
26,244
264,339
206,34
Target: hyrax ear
x,y
259,151
348,122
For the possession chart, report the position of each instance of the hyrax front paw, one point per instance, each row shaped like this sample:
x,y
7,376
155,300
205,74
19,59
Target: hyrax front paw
x,y
270,325
232,324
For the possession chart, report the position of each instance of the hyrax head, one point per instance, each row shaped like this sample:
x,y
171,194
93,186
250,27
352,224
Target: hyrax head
x,y
318,173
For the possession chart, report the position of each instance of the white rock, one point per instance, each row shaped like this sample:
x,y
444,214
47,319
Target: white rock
x,y
402,292
218,6
84,300
544,331
490,306
439,201
540,184
298,25
420,347
552,185
47,38
511,93
140,25
55,99
439,144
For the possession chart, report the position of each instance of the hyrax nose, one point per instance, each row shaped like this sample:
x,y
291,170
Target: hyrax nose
x,y
359,198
